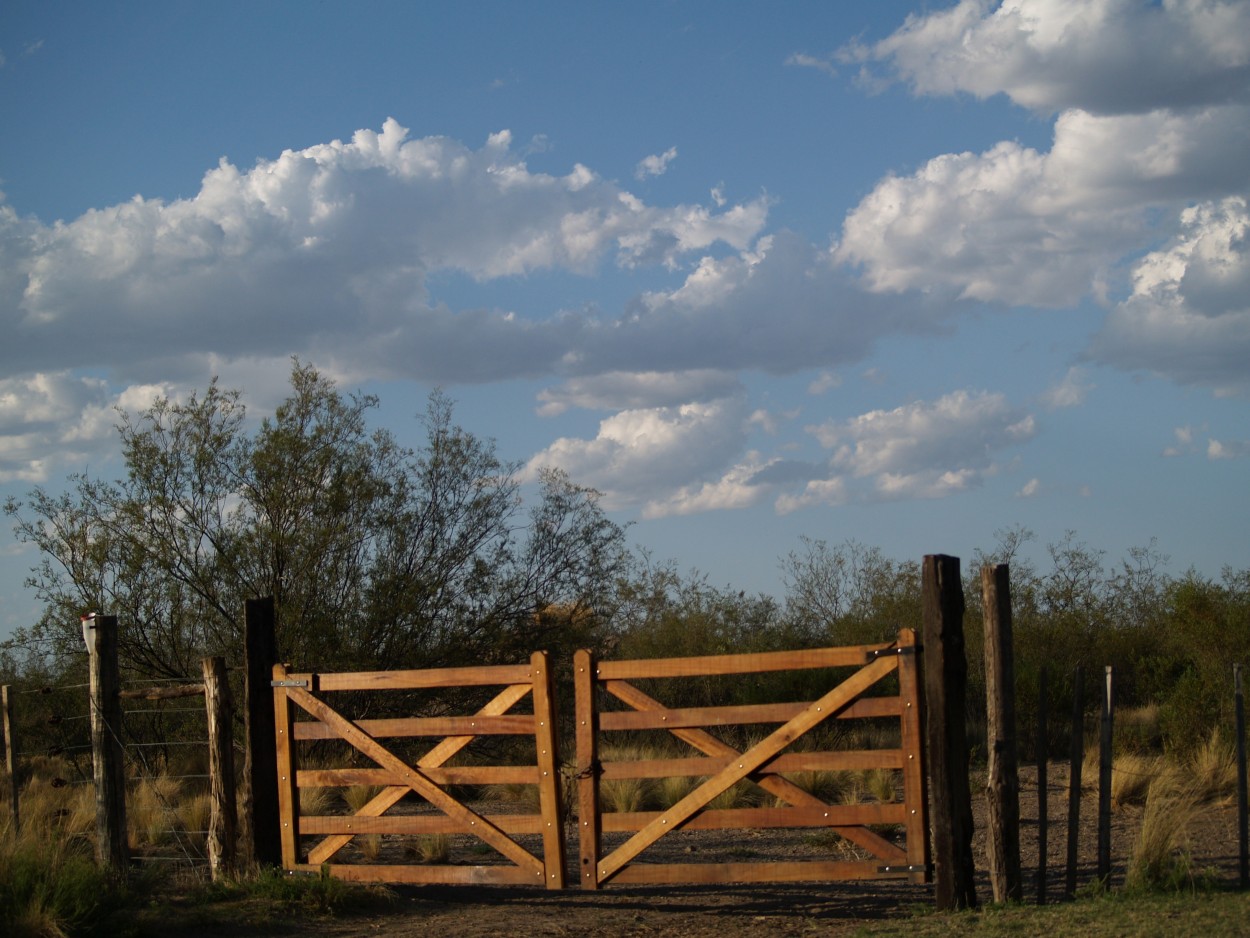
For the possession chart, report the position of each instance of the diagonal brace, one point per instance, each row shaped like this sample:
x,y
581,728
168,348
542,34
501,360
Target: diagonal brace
x,y
390,796
472,822
750,761
783,788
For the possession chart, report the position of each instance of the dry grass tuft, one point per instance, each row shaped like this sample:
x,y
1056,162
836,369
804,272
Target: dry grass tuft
x,y
316,802
357,796
1159,859
1211,769
431,848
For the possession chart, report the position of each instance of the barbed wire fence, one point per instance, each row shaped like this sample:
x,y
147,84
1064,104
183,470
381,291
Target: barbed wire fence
x,y
164,738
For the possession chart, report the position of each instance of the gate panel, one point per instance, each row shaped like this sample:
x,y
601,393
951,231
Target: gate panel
x,y
721,765
441,809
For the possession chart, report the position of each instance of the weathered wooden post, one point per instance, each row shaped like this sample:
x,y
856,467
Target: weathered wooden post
x,y
1243,836
10,755
946,693
587,733
223,815
1002,787
1104,782
100,635
262,838
1076,756
1043,784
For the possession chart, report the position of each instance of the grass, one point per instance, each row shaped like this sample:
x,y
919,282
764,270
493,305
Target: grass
x,y
51,887
1210,914
1160,859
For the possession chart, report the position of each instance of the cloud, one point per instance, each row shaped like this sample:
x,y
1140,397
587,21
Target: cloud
x,y
1070,391
58,419
1016,226
926,449
1102,56
1188,317
656,164
653,454
803,60
1030,489
1228,449
334,244
620,390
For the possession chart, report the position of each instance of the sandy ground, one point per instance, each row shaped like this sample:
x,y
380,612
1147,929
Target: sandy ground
x,y
768,910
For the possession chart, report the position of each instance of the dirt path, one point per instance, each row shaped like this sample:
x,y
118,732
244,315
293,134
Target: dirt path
x,y
768,910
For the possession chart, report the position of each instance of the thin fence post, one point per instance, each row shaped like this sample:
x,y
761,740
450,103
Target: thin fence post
x,y
1043,786
1002,787
1076,756
262,834
10,755
946,692
1243,837
1104,782
100,635
223,815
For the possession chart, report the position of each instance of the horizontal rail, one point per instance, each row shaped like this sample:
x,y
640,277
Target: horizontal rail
x,y
427,875
724,716
508,725
755,662
483,676
797,871
837,815
162,693
415,824
447,775
850,759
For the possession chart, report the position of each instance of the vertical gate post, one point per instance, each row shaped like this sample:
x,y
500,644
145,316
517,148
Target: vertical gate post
x,y
262,839
549,769
588,833
915,778
1043,784
10,754
946,692
1243,834
100,635
1002,789
223,816
1076,758
287,818
1104,781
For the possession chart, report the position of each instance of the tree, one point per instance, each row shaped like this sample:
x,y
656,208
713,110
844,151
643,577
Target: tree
x,y
376,555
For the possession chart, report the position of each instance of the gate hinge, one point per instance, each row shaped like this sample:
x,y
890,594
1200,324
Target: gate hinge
x,y
891,652
916,868
288,683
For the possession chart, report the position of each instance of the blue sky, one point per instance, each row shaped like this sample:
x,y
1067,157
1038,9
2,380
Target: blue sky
x,y
904,273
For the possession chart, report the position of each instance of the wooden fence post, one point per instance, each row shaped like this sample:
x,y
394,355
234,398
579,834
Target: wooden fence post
x,y
589,835
1043,784
1104,782
1243,836
1002,787
100,635
1076,756
946,692
223,816
10,755
262,835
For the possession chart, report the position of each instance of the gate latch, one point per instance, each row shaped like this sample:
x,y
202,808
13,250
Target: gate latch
x,y
916,868
288,683
892,652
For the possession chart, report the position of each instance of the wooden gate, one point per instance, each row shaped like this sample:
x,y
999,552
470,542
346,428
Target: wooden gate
x,y
440,809
766,763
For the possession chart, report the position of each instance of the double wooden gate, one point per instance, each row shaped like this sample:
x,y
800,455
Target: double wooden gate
x,y
879,683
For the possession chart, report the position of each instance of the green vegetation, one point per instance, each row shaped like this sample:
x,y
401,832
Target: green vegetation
x,y
1162,915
